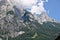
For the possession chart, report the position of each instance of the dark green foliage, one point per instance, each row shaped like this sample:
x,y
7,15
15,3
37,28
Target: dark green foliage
x,y
44,32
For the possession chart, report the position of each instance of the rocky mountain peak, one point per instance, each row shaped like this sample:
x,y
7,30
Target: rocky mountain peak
x,y
43,17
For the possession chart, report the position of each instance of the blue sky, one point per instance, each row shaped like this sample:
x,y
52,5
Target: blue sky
x,y
54,9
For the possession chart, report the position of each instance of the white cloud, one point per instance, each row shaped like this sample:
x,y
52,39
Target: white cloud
x,y
46,0
35,9
30,3
38,9
23,3
0,0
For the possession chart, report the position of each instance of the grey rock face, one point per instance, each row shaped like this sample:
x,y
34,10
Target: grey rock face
x,y
15,22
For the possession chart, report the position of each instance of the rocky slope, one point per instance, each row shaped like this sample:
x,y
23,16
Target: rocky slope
x,y
22,25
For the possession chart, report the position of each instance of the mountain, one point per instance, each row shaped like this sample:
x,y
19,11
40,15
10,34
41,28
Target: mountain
x,y
16,24
43,17
36,31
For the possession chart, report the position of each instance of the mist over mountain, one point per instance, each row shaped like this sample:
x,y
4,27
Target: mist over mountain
x,y
20,22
